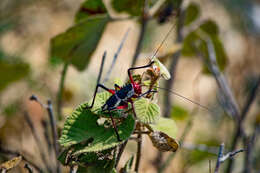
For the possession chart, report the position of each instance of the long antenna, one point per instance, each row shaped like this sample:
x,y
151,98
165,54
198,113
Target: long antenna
x,y
164,39
183,97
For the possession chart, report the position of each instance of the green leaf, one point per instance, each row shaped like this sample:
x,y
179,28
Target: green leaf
x,y
132,7
210,27
101,167
90,8
82,126
114,170
166,125
77,44
199,156
11,70
146,111
192,13
179,113
221,55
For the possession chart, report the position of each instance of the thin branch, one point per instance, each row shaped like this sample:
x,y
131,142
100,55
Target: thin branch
x,y
249,144
231,107
61,88
46,135
220,155
239,129
221,80
121,150
230,155
209,166
54,133
52,120
116,56
139,152
144,21
37,140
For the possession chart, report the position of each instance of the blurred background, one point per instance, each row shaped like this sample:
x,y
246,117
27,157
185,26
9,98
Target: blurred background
x,y
29,65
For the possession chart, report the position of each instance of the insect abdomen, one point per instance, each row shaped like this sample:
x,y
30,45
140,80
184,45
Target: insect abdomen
x,y
122,95
125,92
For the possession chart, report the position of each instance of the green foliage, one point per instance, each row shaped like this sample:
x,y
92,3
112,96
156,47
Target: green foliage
x,y
82,126
132,7
194,41
196,156
179,113
146,111
165,125
77,44
192,13
89,8
12,69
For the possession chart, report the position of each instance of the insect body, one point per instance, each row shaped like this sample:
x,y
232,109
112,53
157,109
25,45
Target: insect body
x,y
121,96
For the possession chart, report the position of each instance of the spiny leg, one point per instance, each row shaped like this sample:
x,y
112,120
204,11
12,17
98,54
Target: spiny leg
x,y
134,68
95,93
98,79
147,92
132,104
114,126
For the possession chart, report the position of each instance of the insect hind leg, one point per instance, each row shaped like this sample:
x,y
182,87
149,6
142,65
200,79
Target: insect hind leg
x,y
115,128
95,93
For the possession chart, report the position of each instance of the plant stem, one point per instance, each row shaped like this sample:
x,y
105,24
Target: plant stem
x,y
139,152
54,133
121,150
37,140
220,154
140,39
61,88
116,56
239,128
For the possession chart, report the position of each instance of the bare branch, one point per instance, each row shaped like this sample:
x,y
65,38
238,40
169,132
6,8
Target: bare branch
x,y
230,155
139,152
54,133
220,154
61,88
116,56
222,157
239,128
37,140
121,150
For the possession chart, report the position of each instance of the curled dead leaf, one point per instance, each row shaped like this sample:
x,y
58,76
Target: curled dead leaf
x,y
163,142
